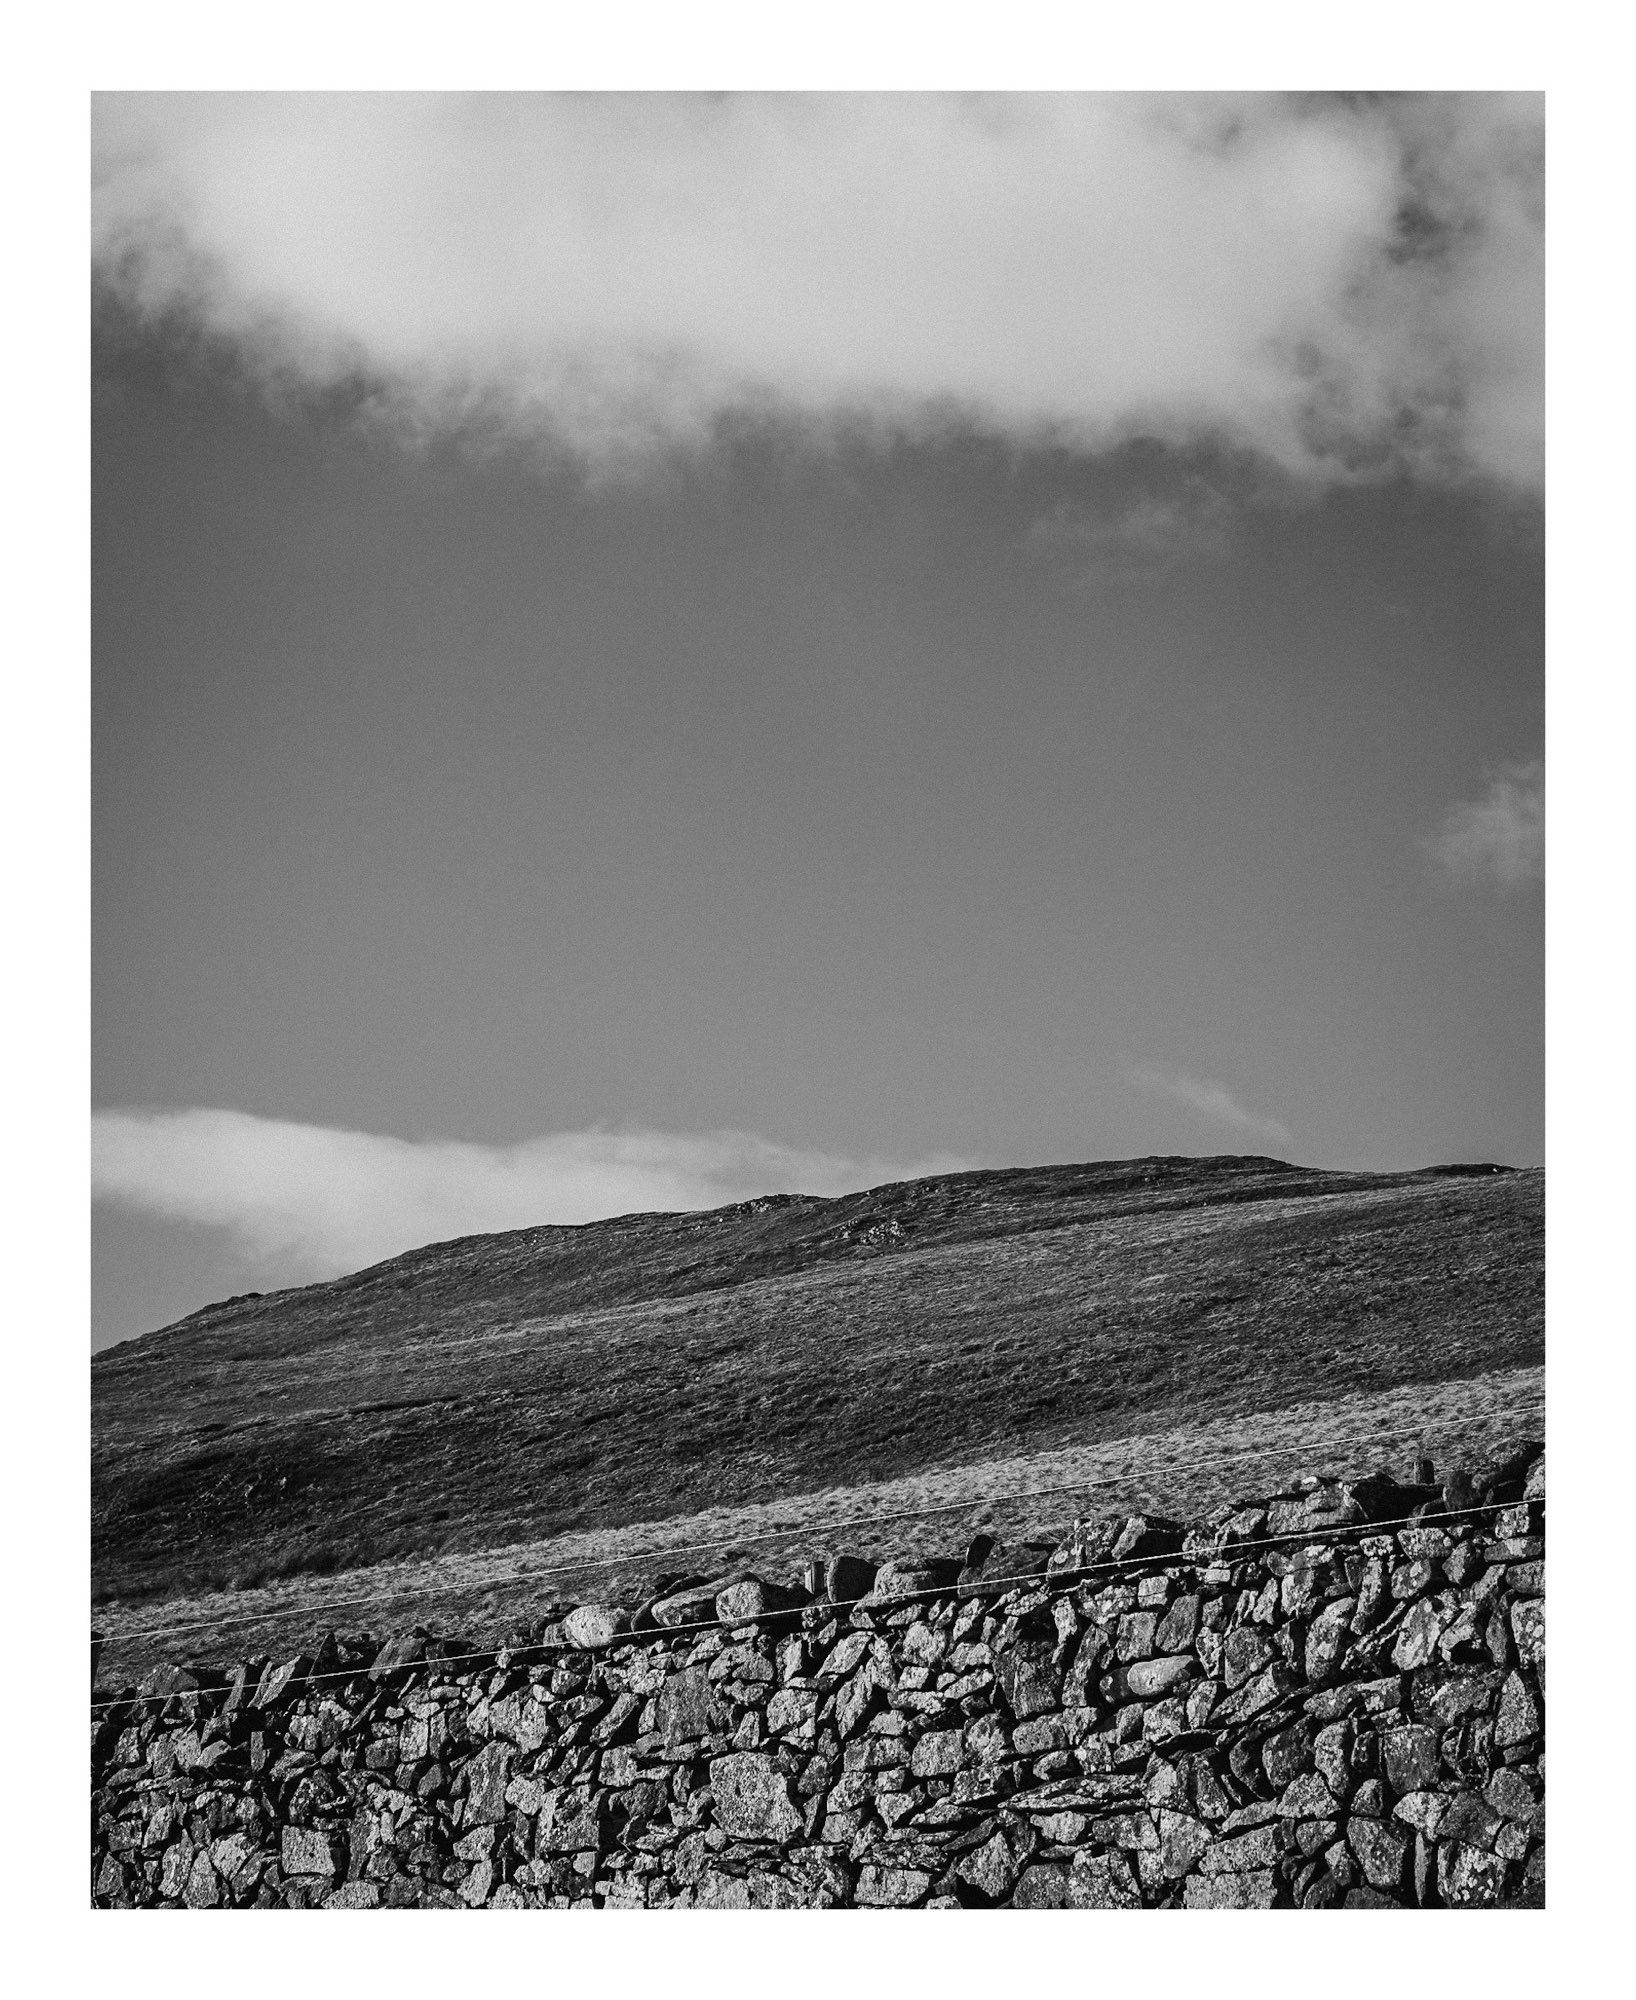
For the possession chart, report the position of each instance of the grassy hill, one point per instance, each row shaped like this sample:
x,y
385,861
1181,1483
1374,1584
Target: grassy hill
x,y
552,1381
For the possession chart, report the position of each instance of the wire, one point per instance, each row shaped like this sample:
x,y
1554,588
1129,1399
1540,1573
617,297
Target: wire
x,y
274,1613
980,1587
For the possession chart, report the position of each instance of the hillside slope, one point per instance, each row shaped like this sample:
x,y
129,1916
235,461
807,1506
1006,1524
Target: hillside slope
x,y
499,1388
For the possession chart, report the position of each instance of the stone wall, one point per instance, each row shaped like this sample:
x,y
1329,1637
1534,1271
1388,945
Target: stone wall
x,y
1331,1698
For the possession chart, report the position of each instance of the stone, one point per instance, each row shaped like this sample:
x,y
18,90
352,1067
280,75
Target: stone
x,y
1379,1697
1528,1632
1287,1753
990,1869
569,1822
1382,1854
1424,1811
523,1720
1316,1836
1327,1637
474,1891
1136,1635
716,1891
856,1698
1470,1820
1411,1757
1147,1535
903,1582
1028,1680
1332,1755
923,1645
177,1865
686,1709
1102,1882
1266,1689
487,1776
844,1656
1374,1596
203,1888
1044,1886
1182,1840
1201,1703
1147,1679
938,1753
1253,1890
1208,1794
693,1605
753,1599
1300,1589
593,1626
1306,1797
1164,1720
791,1710
1497,1638
1518,1721
1450,1694
753,1798
1470,1877
847,1578
987,1740
891,1888
354,1896
399,1654
1511,1795
1417,1638
305,1850
282,1682
1040,1736
1246,1650
1242,1853
1179,1627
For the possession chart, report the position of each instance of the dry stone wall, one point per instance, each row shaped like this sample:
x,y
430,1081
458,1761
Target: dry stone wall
x,y
1332,1698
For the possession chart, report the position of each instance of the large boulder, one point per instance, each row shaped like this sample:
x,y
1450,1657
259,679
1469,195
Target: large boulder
x,y
848,1579
753,1599
590,1626
916,1577
689,1604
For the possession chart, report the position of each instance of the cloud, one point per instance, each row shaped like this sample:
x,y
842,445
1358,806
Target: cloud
x,y
1342,285
308,1201
1213,1101
1499,838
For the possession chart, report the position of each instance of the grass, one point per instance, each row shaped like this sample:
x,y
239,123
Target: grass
x,y
554,1383
492,1593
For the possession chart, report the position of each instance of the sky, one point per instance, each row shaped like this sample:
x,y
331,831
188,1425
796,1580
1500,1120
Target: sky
x,y
648,650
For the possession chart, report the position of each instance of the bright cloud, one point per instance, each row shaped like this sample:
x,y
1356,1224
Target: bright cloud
x,y
1338,286
308,1201
1213,1101
1499,838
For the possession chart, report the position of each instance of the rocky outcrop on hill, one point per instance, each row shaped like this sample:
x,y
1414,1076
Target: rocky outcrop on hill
x,y
1332,1698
